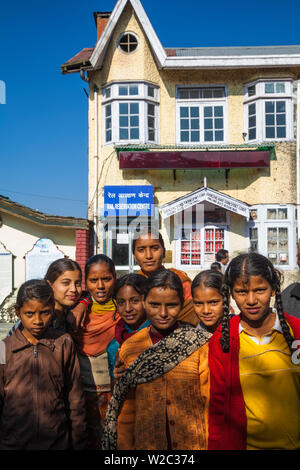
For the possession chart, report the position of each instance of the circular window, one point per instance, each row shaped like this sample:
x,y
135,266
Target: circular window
x,y
128,42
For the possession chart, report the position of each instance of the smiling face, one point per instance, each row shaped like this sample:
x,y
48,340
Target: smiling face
x,y
208,305
67,289
162,307
100,282
130,307
148,253
253,299
35,317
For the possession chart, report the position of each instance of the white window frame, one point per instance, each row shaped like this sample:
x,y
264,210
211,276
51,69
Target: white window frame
x,y
260,98
114,99
201,103
262,223
197,267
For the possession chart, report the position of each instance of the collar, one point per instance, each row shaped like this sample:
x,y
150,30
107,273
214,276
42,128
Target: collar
x,y
276,325
19,342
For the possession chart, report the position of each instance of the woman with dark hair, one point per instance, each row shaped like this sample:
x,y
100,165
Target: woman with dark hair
x,y
129,296
65,277
255,386
149,252
92,338
161,401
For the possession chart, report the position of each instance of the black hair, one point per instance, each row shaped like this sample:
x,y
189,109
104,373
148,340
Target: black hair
x,y
58,267
244,266
134,280
150,231
221,254
215,266
35,289
167,279
209,278
98,259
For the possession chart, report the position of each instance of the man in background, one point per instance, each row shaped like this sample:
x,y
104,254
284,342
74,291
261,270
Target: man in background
x,y
222,257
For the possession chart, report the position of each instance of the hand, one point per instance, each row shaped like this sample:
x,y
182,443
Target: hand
x,y
120,368
76,317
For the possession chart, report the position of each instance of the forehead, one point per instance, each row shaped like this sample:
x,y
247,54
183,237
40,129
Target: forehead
x,y
34,304
162,295
73,275
126,292
204,293
99,269
252,282
147,239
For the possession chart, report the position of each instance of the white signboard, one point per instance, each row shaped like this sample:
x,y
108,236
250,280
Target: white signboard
x,y
6,273
209,195
40,257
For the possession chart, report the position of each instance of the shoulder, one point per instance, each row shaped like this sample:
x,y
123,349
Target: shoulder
x,y
181,274
289,288
134,345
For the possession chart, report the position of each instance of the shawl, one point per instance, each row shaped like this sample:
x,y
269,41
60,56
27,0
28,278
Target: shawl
x,y
123,331
151,364
98,330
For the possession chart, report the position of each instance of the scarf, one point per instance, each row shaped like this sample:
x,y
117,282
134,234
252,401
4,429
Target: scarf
x,y
98,329
151,364
123,331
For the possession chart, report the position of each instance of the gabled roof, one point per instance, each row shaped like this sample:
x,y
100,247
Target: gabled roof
x,y
205,194
184,57
101,46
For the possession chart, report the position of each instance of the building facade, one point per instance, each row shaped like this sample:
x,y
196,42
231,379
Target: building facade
x,y
209,136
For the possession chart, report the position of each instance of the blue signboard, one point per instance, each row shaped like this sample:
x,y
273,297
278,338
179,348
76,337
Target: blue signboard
x,y
128,201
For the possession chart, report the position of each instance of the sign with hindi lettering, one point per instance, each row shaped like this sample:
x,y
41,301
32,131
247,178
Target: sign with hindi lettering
x,y
128,201
6,273
40,257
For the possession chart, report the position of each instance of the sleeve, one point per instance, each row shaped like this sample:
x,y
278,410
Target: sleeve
x,y
75,400
112,350
216,422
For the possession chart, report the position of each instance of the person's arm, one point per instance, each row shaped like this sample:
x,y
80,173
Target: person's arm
x,y
119,368
75,400
216,418
77,315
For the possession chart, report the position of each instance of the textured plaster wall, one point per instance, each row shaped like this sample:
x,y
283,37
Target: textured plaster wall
x,y
276,184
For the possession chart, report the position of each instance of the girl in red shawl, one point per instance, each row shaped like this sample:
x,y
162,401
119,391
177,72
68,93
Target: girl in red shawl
x,y
92,338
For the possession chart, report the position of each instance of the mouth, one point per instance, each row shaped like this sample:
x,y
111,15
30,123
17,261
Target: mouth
x,y
253,311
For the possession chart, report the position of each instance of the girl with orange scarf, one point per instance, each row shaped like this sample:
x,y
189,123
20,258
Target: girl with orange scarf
x,y
92,338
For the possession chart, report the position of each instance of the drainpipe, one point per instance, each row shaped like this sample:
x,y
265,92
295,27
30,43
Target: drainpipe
x,y
298,159
96,161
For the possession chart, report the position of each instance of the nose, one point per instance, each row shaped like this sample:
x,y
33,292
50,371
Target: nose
x,y
163,311
128,307
251,298
206,309
100,284
37,319
73,287
148,253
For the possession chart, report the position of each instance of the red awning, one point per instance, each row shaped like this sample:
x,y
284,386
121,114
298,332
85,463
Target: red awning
x,y
187,160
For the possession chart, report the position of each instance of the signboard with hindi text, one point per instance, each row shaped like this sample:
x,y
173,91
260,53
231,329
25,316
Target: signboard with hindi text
x,y
128,201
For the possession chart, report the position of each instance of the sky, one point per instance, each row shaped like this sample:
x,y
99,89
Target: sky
x,y
44,123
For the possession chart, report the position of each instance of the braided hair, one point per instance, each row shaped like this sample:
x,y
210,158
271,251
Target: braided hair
x,y
244,266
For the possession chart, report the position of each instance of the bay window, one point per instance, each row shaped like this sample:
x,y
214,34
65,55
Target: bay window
x,y
130,113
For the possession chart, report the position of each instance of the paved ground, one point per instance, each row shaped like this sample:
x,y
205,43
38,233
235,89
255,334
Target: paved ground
x,y
4,329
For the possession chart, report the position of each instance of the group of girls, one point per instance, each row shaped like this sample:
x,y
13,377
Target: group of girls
x,y
161,362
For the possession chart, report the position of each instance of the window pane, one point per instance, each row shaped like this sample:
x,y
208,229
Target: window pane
x,y
281,133
219,136
108,136
269,88
218,111
134,133
194,94
280,119
194,123
280,106
183,94
151,122
133,90
251,90
270,119
134,108
195,136
194,112
151,135
271,214
151,91
252,108
282,214
184,124
184,111
151,109
134,121
123,108
184,136
218,123
280,87
252,134
123,121
269,106
252,121
270,132
208,123
207,93
108,110
123,90
208,136
123,134
208,111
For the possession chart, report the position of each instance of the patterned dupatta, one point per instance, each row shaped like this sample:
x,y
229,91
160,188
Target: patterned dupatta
x,y
156,361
